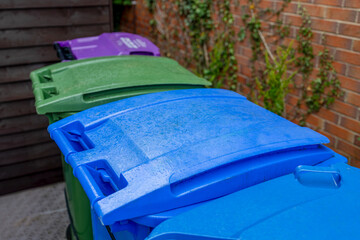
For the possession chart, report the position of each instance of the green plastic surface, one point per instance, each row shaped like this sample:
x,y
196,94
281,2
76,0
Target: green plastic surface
x,y
77,85
78,202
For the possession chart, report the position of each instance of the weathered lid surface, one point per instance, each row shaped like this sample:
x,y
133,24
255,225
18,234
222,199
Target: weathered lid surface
x,y
160,151
318,203
78,85
106,44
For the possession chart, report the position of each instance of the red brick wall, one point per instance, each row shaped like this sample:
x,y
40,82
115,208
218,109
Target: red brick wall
x,y
339,22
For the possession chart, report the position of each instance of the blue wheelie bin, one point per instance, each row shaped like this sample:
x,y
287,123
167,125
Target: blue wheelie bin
x,y
146,159
313,203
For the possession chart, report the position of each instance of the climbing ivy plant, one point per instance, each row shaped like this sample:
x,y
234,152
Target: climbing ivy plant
x,y
264,75
274,86
204,31
325,88
210,37
271,81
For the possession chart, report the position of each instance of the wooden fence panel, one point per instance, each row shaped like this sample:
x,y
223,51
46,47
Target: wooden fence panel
x,y
23,139
16,56
31,180
17,73
46,36
18,4
30,18
16,91
16,124
28,153
29,167
28,157
17,108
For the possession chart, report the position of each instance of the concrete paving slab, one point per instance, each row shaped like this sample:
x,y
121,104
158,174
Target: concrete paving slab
x,y
34,214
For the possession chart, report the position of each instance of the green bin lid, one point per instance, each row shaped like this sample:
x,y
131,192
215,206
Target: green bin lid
x,y
82,84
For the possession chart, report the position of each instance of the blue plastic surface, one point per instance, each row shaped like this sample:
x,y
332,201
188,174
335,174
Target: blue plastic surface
x,y
126,230
138,228
155,219
161,151
280,209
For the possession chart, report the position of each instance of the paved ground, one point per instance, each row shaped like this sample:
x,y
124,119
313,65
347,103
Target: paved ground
x,y
35,214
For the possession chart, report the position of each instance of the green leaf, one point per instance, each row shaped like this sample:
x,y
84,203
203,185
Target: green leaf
x,y
242,34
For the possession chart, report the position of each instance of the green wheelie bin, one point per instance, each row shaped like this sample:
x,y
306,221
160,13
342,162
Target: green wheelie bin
x,y
66,88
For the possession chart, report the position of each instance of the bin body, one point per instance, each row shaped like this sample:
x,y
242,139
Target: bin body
x,y
106,44
312,203
66,88
141,157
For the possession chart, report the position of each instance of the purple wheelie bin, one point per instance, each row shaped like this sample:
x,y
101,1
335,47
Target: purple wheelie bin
x,y
106,44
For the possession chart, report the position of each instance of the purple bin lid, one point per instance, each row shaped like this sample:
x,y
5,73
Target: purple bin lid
x,y
106,44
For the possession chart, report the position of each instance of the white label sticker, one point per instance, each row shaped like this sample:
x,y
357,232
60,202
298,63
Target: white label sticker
x,y
140,43
128,42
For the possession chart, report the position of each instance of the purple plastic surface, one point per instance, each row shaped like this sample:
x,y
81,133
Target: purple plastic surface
x,y
110,44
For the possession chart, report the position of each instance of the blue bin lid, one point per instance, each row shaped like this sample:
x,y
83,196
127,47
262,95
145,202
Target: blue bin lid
x,y
156,152
154,220
319,203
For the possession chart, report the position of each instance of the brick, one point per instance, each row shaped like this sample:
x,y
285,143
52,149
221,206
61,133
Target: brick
x,y
241,59
339,132
339,67
296,121
238,22
328,115
350,29
348,148
331,138
291,99
246,71
304,1
353,98
355,162
291,8
244,90
350,84
344,108
315,121
293,20
241,79
341,14
314,74
317,37
315,11
354,72
287,41
247,52
329,3
337,41
351,124
317,48
344,154
347,57
356,45
324,25
357,140
352,4
266,4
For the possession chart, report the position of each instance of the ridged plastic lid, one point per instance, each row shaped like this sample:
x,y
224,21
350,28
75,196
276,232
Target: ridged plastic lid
x,y
107,44
82,84
318,203
156,152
